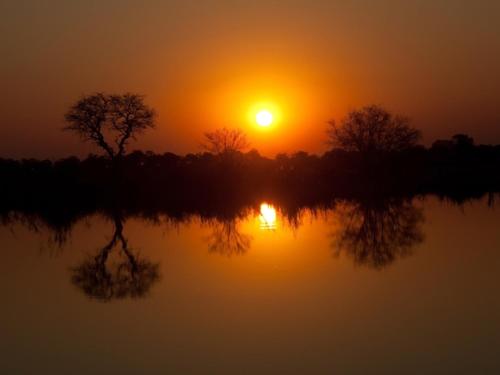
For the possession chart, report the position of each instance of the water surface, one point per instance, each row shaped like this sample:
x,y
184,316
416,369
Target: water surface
x,y
399,286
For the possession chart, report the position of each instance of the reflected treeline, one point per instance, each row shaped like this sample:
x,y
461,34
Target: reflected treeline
x,y
226,238
375,233
104,277
372,230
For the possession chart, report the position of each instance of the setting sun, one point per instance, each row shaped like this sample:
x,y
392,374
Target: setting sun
x,y
264,118
264,114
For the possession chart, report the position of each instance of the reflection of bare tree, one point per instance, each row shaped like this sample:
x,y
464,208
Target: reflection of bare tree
x,y
226,238
129,276
377,233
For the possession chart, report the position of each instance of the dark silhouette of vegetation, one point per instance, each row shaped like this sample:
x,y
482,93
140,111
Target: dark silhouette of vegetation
x,y
226,238
195,178
370,180
225,141
122,117
375,233
128,276
459,143
463,141
372,130
373,230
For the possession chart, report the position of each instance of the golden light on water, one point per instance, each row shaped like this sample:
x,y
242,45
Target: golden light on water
x,y
267,217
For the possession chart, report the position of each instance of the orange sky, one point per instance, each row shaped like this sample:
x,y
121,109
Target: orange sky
x,y
204,64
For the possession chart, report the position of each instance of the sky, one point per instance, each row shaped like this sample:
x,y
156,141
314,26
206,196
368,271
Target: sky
x,y
207,64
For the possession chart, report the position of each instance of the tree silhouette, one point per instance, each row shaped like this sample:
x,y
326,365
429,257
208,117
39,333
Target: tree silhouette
x,y
226,239
225,141
463,142
372,129
120,117
377,232
130,276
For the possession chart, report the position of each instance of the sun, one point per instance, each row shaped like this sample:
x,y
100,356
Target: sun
x,y
264,118
264,115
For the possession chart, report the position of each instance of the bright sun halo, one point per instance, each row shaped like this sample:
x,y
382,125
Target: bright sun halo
x,y
264,118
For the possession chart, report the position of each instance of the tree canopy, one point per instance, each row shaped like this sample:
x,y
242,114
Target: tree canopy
x,y
225,141
110,121
372,129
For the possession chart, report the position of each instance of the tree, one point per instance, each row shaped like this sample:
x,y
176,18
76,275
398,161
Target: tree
x,y
372,129
225,141
119,117
128,276
226,238
463,141
376,232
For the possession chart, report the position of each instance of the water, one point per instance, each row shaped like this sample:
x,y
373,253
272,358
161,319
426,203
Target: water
x,y
372,287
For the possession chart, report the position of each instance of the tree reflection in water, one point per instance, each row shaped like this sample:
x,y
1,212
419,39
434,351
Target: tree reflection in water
x,y
375,233
104,279
226,238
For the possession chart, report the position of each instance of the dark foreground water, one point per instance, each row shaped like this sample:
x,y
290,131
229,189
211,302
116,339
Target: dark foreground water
x,y
403,288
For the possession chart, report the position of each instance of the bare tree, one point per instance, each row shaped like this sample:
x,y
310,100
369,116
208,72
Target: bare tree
x,y
377,232
128,277
372,129
119,117
226,238
225,141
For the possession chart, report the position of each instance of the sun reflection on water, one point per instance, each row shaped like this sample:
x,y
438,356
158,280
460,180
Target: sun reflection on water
x,y
267,217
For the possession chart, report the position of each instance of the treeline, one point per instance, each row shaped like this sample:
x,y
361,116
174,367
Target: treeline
x,y
447,165
372,152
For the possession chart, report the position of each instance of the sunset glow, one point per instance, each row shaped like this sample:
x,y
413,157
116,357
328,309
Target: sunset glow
x,y
264,118
267,217
266,186
266,115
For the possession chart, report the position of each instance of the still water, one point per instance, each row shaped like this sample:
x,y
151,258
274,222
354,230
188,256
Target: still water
x,y
401,287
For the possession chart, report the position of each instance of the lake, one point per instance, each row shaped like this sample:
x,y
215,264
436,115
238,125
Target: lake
x,y
355,287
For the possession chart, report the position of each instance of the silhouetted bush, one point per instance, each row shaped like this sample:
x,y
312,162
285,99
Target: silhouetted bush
x,y
204,178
